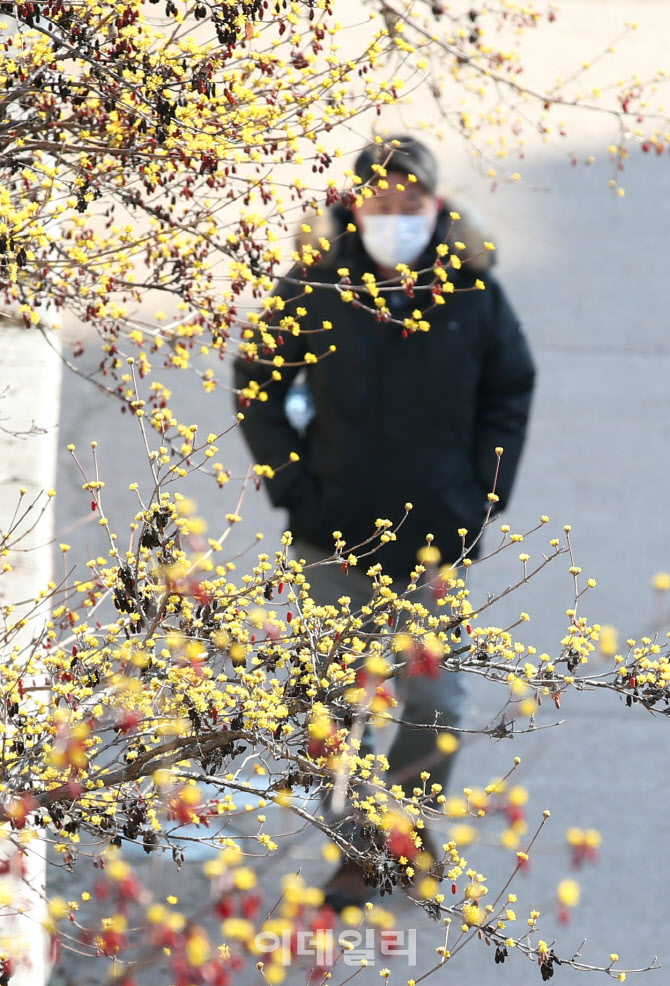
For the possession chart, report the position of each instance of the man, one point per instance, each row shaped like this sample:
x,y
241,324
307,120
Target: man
x,y
400,414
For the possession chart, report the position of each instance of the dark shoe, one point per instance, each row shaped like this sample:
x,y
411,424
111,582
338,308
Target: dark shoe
x,y
347,887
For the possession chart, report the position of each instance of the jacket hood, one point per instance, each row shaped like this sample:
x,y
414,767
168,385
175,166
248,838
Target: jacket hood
x,y
347,248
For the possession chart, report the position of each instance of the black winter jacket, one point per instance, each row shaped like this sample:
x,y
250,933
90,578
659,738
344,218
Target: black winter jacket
x,y
399,418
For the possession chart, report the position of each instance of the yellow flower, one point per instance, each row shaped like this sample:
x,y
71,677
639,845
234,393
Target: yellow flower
x,y
274,973
118,869
528,707
351,916
244,878
197,948
58,908
609,641
463,835
428,887
517,796
331,853
568,892
238,928
473,914
447,743
429,555
509,839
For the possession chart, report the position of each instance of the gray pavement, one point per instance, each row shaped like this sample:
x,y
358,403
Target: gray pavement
x,y
588,273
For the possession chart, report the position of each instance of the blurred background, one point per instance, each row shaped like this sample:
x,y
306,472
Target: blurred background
x,y
587,271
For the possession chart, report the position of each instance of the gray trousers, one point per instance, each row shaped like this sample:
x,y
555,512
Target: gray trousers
x,y
422,700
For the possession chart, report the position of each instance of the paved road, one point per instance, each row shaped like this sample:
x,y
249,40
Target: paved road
x,y
588,273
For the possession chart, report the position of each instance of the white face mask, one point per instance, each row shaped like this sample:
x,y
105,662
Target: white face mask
x,y
396,239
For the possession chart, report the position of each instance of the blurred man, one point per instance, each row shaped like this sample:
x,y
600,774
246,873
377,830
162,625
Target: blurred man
x,y
396,413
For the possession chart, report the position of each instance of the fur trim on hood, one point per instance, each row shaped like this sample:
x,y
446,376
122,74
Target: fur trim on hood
x,y
332,224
